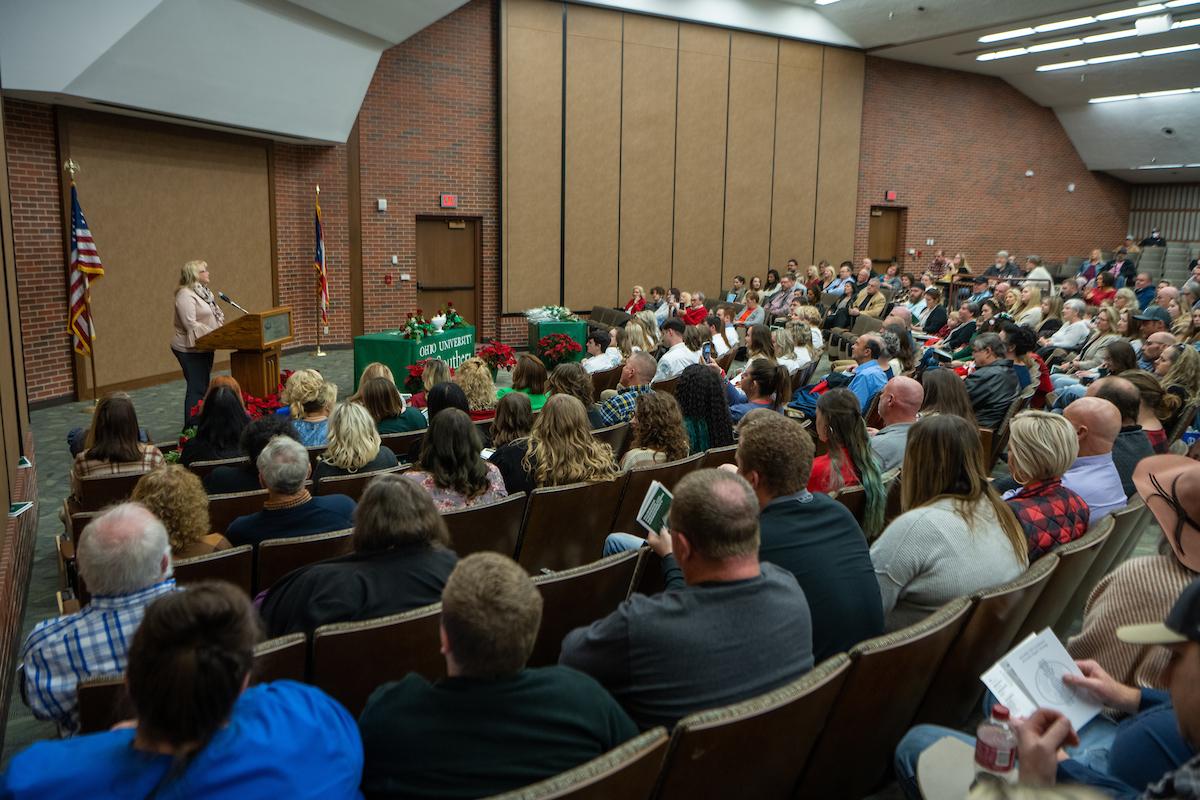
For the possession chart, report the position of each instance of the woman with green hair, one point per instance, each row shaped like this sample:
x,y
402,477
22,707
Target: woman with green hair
x,y
849,460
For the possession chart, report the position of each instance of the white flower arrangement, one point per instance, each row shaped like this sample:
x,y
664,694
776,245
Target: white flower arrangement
x,y
549,314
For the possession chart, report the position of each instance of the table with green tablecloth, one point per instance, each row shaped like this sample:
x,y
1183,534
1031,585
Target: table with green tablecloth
x,y
388,347
575,329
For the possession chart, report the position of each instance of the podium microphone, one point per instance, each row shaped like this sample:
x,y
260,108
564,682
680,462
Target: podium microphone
x,y
226,298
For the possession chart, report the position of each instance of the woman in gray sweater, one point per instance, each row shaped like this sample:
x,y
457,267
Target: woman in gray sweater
x,y
956,536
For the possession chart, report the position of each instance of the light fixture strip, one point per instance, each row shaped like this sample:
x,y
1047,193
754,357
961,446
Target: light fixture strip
x,y
1161,51
1077,22
1059,44
1144,95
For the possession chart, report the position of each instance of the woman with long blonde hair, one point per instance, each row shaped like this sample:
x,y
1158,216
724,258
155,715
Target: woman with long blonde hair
x,y
635,332
310,400
475,379
1028,310
436,371
376,369
956,536
649,327
562,449
196,313
353,444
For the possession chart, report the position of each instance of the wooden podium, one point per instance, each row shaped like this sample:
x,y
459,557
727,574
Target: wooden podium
x,y
255,340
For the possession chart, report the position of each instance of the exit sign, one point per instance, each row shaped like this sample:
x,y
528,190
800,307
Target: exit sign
x,y
448,201
889,195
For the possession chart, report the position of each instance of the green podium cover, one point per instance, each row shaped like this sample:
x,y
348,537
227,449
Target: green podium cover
x,y
576,330
388,347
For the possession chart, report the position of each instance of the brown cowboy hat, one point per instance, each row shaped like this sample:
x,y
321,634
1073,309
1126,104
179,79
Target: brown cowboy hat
x,y
1170,486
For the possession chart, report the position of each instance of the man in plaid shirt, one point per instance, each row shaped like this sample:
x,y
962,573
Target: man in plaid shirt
x,y
635,381
125,561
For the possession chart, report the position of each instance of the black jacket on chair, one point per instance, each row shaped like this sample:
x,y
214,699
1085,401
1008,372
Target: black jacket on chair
x,y
992,390
936,320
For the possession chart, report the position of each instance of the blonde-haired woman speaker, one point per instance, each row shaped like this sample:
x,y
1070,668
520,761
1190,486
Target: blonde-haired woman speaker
x,y
196,313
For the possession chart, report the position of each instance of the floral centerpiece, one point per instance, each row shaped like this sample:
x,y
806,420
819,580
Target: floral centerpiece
x,y
557,348
453,318
255,407
550,314
497,356
416,327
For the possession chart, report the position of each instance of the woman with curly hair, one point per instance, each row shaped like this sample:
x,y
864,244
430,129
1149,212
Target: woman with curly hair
x,y
849,459
1158,407
510,440
354,444
562,449
383,402
1178,367
658,434
529,378
309,399
701,396
450,467
570,378
176,496
218,428
475,379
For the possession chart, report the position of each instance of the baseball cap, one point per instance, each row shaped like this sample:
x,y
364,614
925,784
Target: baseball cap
x,y
1181,625
1155,313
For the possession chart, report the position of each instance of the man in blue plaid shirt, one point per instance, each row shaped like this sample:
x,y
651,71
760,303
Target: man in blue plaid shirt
x,y
125,560
635,381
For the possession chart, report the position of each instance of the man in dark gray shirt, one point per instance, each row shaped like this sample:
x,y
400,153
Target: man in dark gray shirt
x,y
729,629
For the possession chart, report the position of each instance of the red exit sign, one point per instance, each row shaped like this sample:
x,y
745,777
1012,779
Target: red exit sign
x,y
890,195
448,201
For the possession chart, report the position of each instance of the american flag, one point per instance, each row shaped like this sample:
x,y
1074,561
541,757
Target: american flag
x,y
319,265
85,267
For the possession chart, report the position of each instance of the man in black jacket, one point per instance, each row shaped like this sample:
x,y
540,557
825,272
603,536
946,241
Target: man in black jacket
x,y
993,384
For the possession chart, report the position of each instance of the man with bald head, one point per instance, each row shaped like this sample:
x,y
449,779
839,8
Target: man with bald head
x,y
1094,476
1131,445
899,403
1152,347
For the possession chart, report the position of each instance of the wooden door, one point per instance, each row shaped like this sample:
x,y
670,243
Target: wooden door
x,y
883,239
448,265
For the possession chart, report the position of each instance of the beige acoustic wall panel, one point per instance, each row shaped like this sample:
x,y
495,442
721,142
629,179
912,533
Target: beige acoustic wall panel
x,y
531,74
752,79
798,125
647,150
157,196
700,157
841,129
593,157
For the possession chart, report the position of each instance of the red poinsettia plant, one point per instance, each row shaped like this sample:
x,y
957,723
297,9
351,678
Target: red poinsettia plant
x,y
497,355
255,407
557,348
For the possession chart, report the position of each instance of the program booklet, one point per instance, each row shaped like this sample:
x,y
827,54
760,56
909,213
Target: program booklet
x,y
653,512
1030,676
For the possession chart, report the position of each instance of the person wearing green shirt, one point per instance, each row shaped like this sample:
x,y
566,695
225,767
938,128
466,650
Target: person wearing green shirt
x,y
382,400
529,377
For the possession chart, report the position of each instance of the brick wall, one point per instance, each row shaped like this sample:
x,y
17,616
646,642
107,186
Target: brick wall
x,y
956,146
34,188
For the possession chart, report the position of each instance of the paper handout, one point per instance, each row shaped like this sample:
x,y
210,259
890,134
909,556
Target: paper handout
x,y
652,515
1030,676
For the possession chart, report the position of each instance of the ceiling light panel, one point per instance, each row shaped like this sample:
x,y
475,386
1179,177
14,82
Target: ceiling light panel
x,y
1166,51
1000,37
1125,33
1063,24
1063,65
1161,51
1058,45
1143,95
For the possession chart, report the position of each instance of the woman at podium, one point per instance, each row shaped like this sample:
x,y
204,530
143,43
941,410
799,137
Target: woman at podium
x,y
196,313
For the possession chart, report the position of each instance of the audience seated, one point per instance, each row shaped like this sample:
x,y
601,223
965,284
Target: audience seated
x,y
656,431
435,371
309,399
1094,475
400,561
678,355
571,379
112,446
1178,367
1041,447
899,403
493,724
353,444
706,418
562,449
1119,356
753,313
636,376
867,379
956,536
376,369
722,343
255,436
600,354
765,384
1157,407
759,346
199,731
727,627
176,496
510,440
946,394
124,557
812,536
849,460
933,317
476,381
528,377
383,402
450,467
992,386
289,510
963,329
1132,444
218,427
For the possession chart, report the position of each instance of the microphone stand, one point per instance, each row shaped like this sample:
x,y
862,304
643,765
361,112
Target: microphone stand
x,y
228,300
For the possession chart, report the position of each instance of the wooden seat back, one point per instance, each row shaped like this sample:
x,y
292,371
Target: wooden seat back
x,y
667,385
235,566
401,443
278,557
716,456
494,527
352,485
616,437
606,379
203,468
225,508
1074,560
638,483
565,526
97,491
627,772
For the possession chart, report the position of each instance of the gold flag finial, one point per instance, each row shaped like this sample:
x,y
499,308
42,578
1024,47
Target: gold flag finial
x,y
72,166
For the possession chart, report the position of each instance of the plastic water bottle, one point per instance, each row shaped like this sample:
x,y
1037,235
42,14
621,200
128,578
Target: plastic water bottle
x,y
996,746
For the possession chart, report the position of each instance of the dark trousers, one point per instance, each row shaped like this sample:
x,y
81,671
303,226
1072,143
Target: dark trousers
x,y
196,369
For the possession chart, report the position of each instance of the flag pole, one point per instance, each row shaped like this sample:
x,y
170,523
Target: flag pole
x,y
320,322
72,167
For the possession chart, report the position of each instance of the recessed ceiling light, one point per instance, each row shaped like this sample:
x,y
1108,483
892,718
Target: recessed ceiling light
x,y
1000,37
1131,12
1064,23
1108,37
1115,57
1114,98
1058,45
1164,51
1063,65
1016,51
825,2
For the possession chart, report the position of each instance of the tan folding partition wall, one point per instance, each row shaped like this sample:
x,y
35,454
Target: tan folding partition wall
x,y
156,196
641,150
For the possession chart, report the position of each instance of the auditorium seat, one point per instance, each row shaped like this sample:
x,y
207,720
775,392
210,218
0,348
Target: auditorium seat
x,y
606,379
235,566
1074,560
580,596
284,658
855,499
352,485
895,495
1130,526
888,678
493,527
77,521
401,443
757,748
97,491
989,632
667,385
565,526
716,456
726,361
203,468
637,483
628,772
278,557
615,436
608,317
351,659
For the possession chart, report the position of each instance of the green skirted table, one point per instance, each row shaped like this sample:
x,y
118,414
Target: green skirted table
x,y
576,330
453,346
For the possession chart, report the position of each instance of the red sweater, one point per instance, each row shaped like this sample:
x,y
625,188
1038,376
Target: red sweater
x,y
822,473
695,315
634,306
